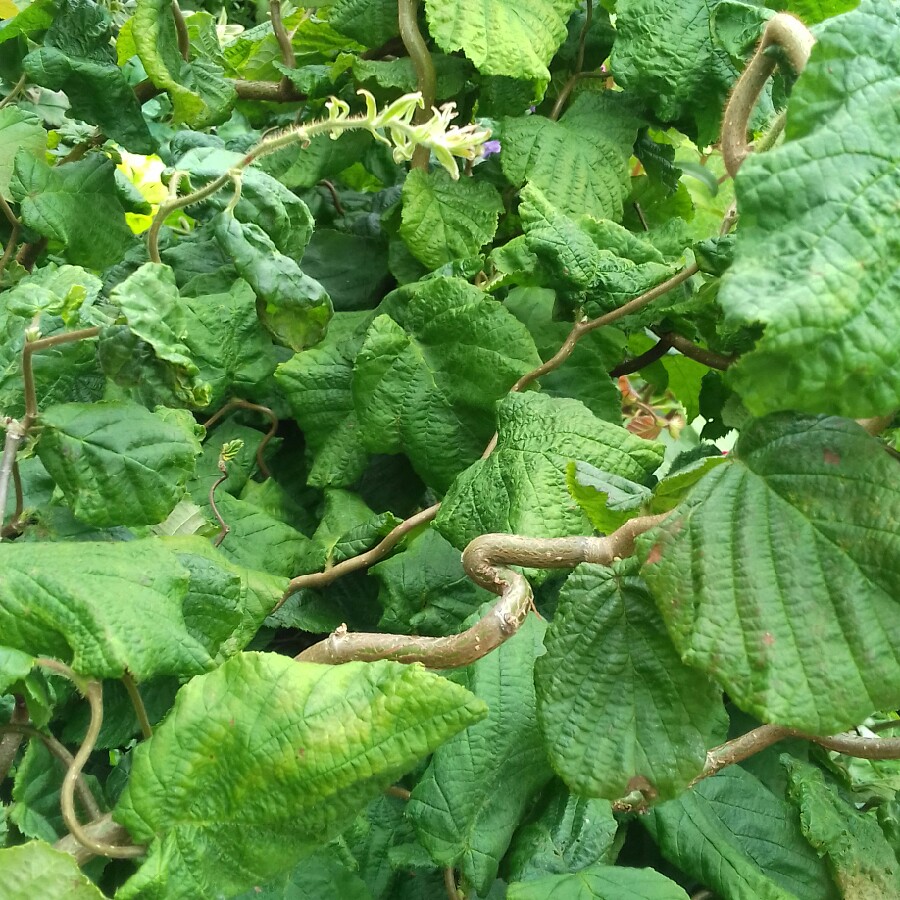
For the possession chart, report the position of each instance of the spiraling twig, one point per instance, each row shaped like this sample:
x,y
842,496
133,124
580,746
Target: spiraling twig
x,y
92,691
487,562
284,42
636,363
796,41
62,754
335,198
256,407
102,831
426,77
134,695
693,351
224,527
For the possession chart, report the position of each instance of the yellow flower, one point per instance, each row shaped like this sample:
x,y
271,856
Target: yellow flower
x,y
144,173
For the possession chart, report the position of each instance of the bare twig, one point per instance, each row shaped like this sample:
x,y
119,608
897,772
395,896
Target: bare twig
x,y
237,403
284,42
102,831
424,66
335,199
793,37
92,691
694,351
876,425
15,434
224,528
134,695
636,363
569,86
62,754
322,579
15,227
450,883
181,29
29,253
487,562
16,90
400,792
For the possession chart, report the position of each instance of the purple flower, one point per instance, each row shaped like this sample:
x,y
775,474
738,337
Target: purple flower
x,y
489,148
531,109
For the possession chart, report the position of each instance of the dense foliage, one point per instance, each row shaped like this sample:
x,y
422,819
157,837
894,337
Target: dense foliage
x,y
450,450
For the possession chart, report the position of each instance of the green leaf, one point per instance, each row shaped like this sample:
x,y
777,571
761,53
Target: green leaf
x,y
765,564
200,95
317,385
521,487
425,588
293,307
812,259
580,378
580,163
55,290
98,93
155,313
353,268
76,204
504,37
116,462
863,862
35,870
451,73
371,22
665,53
264,200
431,368
322,876
595,261
256,740
682,477
77,602
608,500
735,836
14,666
570,834
600,883
812,12
323,158
227,343
471,798
445,219
616,704
19,130
35,808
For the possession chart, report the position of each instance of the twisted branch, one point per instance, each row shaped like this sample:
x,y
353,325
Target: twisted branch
x,y
232,405
487,562
426,77
795,40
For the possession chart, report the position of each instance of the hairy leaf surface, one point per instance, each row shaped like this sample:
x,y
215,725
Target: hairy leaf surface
x,y
257,741
35,870
791,548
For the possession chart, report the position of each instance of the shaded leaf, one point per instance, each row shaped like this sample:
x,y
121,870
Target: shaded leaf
x,y
35,869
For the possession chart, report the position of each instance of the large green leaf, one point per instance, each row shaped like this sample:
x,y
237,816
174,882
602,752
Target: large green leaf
x,y
35,809
858,853
200,95
265,759
317,385
76,204
599,883
431,368
36,870
817,253
77,602
521,487
19,130
580,162
595,262
155,313
470,800
293,307
372,22
790,548
98,93
665,52
617,706
116,462
502,37
226,341
735,836
813,11
570,834
445,219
